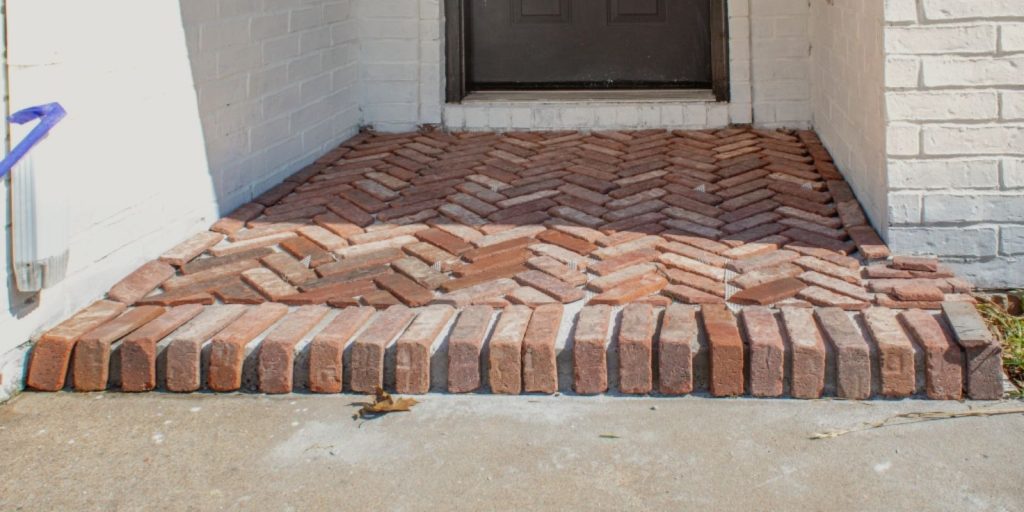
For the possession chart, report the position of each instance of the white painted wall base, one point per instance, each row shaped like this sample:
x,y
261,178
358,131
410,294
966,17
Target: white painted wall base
x,y
589,115
13,365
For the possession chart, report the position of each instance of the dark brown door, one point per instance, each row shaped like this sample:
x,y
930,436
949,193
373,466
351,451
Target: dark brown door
x,y
608,44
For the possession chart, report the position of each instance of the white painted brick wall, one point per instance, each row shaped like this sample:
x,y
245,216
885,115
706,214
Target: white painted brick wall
x,y
780,65
847,81
178,110
954,87
276,84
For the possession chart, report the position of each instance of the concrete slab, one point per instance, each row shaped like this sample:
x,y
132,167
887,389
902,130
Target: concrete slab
x,y
158,451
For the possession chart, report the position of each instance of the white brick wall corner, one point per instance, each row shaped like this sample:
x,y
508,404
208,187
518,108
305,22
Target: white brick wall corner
x,y
954,81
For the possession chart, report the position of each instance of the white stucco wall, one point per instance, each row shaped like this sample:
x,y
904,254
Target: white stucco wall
x,y
847,83
955,107
402,70
179,111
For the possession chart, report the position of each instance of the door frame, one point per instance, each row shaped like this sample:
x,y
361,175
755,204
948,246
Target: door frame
x,y
456,87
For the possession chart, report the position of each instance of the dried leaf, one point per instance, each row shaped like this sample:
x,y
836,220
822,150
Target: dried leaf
x,y
384,403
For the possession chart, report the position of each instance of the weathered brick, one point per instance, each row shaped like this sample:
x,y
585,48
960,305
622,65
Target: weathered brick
x,y
895,352
915,263
506,351
629,292
51,355
769,293
767,352
277,351
540,370
560,290
413,350
139,283
636,349
368,348
91,360
227,350
944,360
726,349
268,283
590,351
191,248
183,352
983,352
464,348
326,351
808,353
852,353
676,344
139,349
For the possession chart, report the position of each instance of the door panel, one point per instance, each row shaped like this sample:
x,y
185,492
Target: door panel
x,y
588,43
636,11
541,11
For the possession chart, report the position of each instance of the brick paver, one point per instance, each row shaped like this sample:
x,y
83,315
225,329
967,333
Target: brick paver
x,y
686,227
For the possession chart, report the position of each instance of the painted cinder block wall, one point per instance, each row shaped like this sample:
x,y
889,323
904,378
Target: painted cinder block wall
x,y
954,94
180,115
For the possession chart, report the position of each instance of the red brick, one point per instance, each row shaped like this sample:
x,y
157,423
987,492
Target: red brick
x,y
560,290
288,268
227,350
413,349
139,283
326,365
918,293
852,354
558,270
689,295
138,350
419,272
302,248
567,242
183,352
921,264
636,349
445,241
826,298
769,293
726,349
767,352
590,352
676,344
277,351
198,281
51,354
91,358
237,292
944,359
464,348
808,353
236,220
983,352
506,351
368,348
191,248
895,352
268,283
629,292
629,259
405,289
540,369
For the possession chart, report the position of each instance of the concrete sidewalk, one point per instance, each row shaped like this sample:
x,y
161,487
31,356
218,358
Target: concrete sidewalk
x,y
299,452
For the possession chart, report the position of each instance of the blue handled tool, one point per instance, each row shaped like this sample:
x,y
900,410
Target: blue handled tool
x,y
49,115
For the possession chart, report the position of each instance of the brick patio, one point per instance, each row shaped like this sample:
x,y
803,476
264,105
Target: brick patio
x,y
683,229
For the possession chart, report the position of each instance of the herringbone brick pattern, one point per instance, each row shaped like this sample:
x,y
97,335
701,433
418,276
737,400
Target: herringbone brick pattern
x,y
738,215
518,221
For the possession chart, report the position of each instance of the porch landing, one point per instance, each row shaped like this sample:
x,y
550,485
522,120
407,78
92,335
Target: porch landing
x,y
684,229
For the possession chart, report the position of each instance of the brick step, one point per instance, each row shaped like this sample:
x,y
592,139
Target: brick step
x,y
639,349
